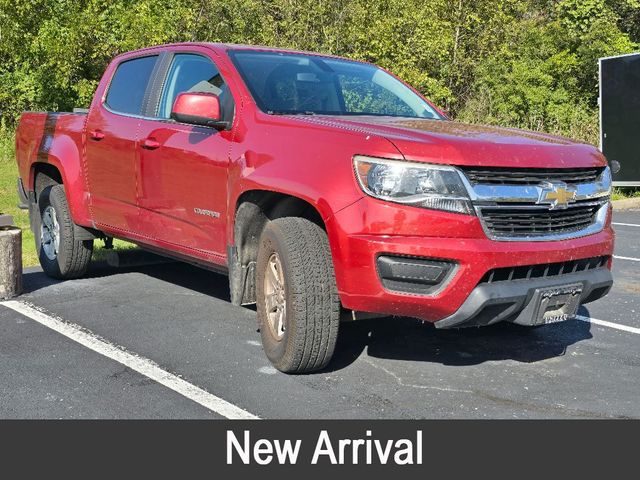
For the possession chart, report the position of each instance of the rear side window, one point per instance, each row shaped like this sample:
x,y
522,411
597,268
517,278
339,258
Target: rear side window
x,y
129,84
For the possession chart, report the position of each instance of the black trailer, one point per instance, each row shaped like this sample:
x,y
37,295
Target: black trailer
x,y
620,116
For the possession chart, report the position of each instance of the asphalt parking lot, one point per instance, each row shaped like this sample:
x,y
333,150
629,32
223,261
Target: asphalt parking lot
x,y
163,341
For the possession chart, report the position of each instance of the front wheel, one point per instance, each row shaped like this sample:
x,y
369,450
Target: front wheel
x,y
61,255
297,298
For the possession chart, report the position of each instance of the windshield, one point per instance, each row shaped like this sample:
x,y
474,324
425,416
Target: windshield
x,y
292,83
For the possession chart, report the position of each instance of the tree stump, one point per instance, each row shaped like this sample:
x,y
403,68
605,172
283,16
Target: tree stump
x,y
10,262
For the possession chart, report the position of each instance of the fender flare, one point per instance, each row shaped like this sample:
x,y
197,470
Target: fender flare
x,y
62,153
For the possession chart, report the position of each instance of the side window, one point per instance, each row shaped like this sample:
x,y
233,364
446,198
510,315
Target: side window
x,y
129,84
193,73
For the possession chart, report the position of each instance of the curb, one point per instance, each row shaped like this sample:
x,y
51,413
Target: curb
x,y
626,204
6,220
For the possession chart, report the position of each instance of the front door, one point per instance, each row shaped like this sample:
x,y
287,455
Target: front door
x,y
183,168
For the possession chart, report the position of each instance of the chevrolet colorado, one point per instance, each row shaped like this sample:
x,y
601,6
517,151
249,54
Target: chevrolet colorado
x,y
326,188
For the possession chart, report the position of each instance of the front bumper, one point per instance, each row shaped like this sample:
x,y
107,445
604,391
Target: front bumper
x,y
513,301
362,232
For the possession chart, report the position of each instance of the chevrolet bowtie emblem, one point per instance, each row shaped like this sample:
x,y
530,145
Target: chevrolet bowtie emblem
x,y
557,194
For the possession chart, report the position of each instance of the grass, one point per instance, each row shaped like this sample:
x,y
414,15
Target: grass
x,y
620,193
9,205
9,198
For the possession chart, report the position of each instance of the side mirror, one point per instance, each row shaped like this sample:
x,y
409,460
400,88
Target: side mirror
x,y
198,109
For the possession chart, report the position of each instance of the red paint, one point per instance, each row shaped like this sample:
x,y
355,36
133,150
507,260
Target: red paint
x,y
143,179
369,227
203,105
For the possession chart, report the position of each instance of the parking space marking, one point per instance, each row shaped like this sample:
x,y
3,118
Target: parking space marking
x,y
604,323
142,365
618,257
625,224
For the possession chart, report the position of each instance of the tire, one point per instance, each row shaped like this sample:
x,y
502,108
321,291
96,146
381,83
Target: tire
x,y
67,258
310,314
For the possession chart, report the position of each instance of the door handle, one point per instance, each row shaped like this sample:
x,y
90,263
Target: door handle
x,y
96,135
150,144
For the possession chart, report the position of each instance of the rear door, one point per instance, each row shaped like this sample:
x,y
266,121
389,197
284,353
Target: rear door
x,y
183,168
112,128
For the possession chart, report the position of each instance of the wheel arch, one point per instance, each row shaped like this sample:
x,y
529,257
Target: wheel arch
x,y
61,162
44,174
253,210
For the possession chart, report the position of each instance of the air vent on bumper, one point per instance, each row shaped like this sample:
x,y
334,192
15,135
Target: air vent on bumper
x,y
422,276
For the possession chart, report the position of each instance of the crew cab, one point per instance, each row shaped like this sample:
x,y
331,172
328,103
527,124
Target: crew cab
x,y
325,188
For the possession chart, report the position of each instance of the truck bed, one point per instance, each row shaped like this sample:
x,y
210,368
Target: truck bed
x,y
34,138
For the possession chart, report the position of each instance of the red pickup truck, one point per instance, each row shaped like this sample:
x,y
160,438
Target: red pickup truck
x,y
326,188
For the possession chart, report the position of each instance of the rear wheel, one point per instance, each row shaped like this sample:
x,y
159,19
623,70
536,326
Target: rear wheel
x,y
297,299
61,255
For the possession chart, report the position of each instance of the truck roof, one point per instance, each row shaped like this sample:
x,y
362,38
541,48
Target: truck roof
x,y
234,46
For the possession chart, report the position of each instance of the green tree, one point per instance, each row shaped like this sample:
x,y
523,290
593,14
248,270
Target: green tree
x,y
525,63
544,76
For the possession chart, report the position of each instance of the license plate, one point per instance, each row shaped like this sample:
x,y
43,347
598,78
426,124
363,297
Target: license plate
x,y
557,304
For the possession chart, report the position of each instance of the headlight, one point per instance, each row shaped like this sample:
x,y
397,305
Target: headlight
x,y
605,180
422,185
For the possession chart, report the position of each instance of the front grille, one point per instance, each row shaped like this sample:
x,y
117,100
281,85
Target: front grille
x,y
530,176
543,270
522,222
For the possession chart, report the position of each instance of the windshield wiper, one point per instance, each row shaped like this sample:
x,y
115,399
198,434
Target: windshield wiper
x,y
289,112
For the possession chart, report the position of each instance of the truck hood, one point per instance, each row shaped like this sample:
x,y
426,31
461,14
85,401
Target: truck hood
x,y
457,143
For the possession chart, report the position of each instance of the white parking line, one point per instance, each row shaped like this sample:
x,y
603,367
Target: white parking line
x,y
604,323
626,258
625,224
135,362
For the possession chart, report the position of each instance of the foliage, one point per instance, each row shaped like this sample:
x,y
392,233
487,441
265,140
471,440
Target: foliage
x,y
524,63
